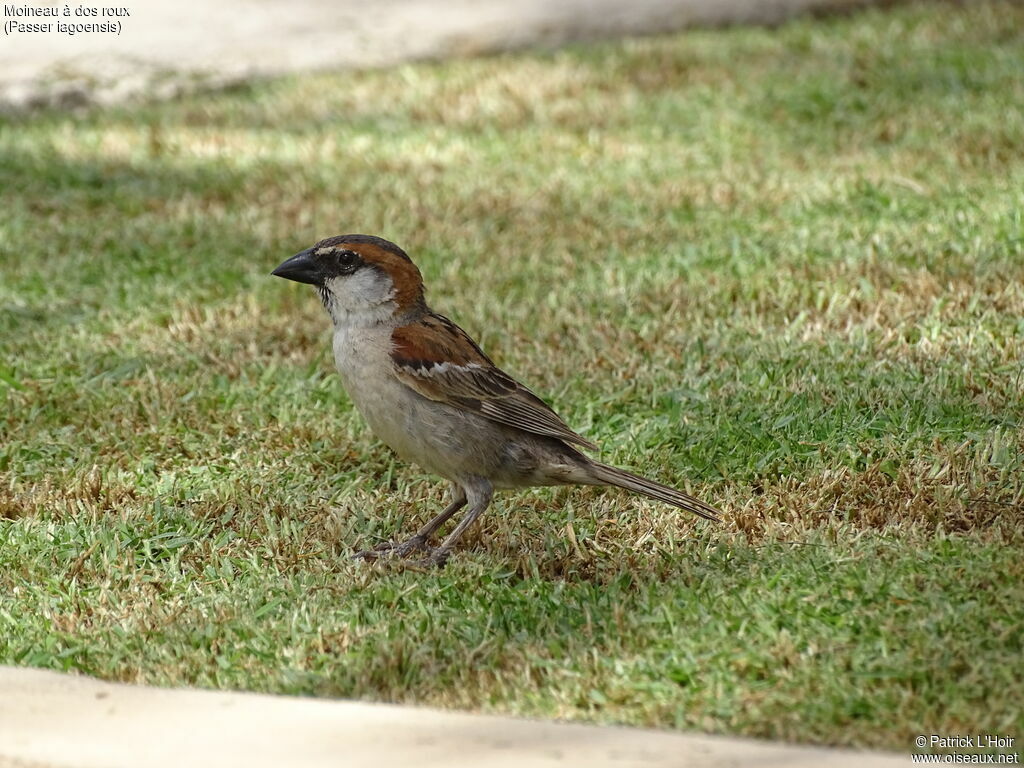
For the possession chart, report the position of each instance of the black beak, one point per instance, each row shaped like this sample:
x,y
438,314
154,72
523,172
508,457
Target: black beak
x,y
301,268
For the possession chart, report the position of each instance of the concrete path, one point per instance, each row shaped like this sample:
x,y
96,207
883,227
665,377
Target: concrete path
x,y
163,48
51,720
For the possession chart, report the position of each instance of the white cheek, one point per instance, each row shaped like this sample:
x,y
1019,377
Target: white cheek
x,y
365,292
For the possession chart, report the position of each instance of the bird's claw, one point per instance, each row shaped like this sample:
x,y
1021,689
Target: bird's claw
x,y
366,554
392,549
436,558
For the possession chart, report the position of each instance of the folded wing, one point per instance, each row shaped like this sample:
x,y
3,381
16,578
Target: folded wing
x,y
439,360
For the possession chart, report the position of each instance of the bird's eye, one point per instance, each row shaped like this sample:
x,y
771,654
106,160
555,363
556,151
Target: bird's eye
x,y
347,261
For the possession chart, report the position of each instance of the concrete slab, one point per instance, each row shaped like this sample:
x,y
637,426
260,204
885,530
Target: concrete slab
x,y
163,48
52,720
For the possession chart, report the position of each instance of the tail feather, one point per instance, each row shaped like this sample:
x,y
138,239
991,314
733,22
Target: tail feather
x,y
629,481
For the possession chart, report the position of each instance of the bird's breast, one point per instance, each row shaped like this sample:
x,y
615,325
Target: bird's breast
x,y
363,358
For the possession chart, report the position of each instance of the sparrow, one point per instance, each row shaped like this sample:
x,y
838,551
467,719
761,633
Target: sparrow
x,y
427,390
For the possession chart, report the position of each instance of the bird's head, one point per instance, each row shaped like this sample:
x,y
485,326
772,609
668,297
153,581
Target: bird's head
x,y
359,277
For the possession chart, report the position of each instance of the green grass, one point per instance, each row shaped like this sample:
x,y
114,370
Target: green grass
x,y
781,268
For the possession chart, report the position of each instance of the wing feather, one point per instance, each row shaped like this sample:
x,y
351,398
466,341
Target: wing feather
x,y
439,360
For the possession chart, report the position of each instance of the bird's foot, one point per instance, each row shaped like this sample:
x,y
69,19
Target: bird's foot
x,y
436,558
398,554
391,549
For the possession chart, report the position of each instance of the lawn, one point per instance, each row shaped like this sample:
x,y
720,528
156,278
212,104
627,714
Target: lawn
x,y
782,269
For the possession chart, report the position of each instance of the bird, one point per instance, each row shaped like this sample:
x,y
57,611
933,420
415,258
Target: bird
x,y
428,391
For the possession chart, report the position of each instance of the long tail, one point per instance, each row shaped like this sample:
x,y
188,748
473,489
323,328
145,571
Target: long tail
x,y
631,482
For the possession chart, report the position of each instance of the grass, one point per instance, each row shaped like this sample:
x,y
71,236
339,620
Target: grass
x,y
783,269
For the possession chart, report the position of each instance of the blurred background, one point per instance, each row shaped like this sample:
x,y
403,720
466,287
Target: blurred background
x,y
778,265
164,49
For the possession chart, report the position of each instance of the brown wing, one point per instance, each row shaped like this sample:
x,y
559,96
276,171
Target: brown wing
x,y
438,360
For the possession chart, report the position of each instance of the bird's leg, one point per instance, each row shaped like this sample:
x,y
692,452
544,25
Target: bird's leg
x,y
422,536
479,493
